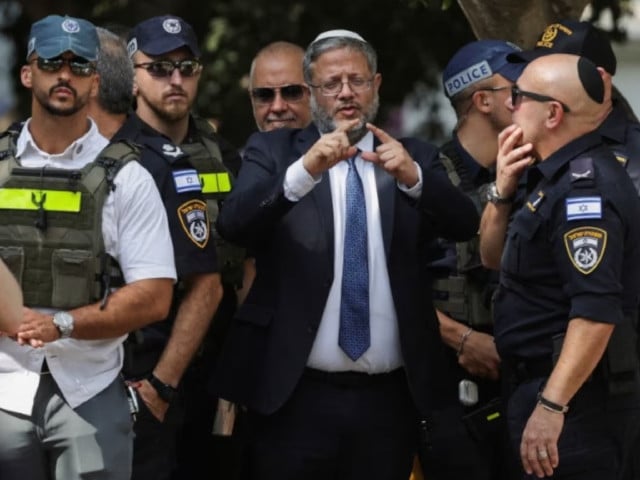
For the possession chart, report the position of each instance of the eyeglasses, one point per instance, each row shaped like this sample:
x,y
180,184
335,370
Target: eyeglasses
x,y
289,93
334,87
79,66
165,68
516,93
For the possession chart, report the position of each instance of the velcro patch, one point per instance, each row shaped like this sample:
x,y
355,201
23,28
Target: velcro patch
x,y
187,180
584,208
585,246
195,221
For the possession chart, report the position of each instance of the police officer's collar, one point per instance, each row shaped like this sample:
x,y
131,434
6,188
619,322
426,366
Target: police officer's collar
x,y
557,160
477,172
157,141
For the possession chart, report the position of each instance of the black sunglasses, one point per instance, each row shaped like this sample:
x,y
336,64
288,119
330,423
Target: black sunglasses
x,y
289,93
516,93
165,68
79,66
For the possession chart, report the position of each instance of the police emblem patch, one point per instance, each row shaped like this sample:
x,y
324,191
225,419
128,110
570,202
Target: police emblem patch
x,y
195,221
585,246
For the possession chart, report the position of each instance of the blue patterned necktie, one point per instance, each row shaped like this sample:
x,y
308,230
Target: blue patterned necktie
x,y
354,336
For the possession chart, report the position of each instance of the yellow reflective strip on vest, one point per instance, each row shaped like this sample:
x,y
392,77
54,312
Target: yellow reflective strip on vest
x,y
29,199
215,182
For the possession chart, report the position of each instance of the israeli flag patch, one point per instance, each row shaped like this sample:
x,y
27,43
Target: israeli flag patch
x,y
187,180
583,208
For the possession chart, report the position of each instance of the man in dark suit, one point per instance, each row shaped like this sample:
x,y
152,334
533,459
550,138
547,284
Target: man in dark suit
x,y
335,350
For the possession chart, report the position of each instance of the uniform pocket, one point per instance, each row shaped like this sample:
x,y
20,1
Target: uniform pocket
x,y
73,278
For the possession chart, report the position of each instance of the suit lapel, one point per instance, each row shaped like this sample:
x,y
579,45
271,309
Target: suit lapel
x,y
321,193
386,199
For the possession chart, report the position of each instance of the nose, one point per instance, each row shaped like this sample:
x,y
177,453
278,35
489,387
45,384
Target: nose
x,y
345,90
176,77
278,104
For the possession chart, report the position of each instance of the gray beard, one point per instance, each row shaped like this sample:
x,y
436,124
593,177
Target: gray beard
x,y
325,123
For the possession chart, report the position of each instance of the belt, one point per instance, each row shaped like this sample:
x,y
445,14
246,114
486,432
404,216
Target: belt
x,y
354,379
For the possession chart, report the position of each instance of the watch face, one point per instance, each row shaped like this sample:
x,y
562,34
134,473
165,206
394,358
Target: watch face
x,y
64,322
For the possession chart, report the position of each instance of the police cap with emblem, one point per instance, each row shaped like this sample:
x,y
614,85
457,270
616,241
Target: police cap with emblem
x,y
163,34
479,60
575,38
53,35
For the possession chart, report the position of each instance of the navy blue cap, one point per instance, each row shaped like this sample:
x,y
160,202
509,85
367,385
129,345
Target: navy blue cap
x,y
479,60
575,38
54,35
163,34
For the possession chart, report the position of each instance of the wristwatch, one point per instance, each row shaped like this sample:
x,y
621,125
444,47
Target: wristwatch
x,y
494,197
165,391
64,323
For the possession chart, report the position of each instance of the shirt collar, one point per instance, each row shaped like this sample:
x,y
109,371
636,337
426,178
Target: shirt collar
x,y
25,142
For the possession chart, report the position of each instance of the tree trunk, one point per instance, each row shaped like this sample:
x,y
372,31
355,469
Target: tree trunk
x,y
520,22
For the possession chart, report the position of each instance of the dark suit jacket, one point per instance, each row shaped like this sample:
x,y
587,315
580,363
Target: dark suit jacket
x,y
270,339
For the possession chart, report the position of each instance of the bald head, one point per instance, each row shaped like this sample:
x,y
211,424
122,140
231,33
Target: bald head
x,y
572,80
277,65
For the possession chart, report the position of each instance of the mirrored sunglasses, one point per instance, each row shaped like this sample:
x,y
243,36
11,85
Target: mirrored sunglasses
x,y
165,68
79,66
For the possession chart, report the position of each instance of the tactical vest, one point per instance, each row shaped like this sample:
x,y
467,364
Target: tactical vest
x,y
216,181
51,227
465,295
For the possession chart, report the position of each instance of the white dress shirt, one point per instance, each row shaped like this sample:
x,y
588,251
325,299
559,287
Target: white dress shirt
x,y
136,234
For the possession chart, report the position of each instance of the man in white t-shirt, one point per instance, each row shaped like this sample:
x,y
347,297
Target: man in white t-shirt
x,y
73,221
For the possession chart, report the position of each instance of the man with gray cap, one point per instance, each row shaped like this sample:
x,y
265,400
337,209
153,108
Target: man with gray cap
x,y
334,351
77,221
187,161
477,80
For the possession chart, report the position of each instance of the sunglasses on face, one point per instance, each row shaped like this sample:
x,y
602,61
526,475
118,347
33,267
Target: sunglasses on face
x,y
289,93
165,68
79,66
517,93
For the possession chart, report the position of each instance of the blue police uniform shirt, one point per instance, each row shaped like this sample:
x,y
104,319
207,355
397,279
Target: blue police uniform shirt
x,y
181,193
572,249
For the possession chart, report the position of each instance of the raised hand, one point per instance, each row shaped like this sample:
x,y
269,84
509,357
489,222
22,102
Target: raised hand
x,y
392,157
330,149
512,160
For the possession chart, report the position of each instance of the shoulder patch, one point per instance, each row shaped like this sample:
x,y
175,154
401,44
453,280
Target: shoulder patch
x,y
186,180
585,247
195,221
584,208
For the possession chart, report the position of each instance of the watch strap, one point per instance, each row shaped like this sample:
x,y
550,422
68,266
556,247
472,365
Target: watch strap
x,y
165,391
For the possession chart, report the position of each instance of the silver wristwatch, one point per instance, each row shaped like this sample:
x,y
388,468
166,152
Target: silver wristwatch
x,y
64,323
494,197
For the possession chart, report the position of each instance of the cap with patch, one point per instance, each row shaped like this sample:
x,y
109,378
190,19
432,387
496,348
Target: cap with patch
x,y
54,35
338,33
163,34
479,60
575,38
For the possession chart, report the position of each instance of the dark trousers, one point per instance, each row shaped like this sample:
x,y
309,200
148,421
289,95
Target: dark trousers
x,y
154,444
468,442
598,431
333,430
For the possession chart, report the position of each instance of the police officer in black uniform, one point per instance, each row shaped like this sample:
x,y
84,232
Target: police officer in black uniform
x,y
567,301
187,160
477,81
619,129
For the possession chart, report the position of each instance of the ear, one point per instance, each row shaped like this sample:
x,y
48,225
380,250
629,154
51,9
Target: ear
x,y
481,101
135,87
25,76
555,114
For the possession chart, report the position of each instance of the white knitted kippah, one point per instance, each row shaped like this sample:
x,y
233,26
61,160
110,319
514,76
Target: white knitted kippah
x,y
337,34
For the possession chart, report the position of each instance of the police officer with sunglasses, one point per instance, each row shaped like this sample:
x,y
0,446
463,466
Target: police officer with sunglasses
x,y
187,160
